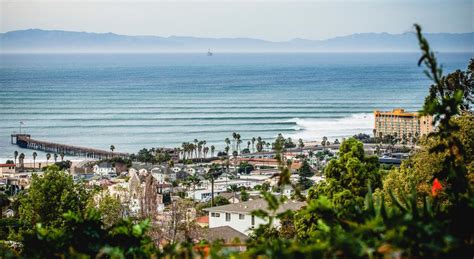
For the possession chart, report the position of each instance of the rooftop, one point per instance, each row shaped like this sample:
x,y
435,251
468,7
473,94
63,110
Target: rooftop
x,y
7,165
258,204
203,219
225,233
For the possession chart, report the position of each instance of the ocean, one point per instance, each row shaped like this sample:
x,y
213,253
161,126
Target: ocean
x,y
134,101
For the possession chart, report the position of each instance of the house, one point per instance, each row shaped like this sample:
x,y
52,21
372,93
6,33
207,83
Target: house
x,y
238,215
104,169
231,197
287,190
7,170
203,221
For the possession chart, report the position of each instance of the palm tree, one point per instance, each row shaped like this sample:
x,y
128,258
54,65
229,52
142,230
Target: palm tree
x,y
196,141
195,181
199,148
301,145
234,136
34,159
183,145
48,156
227,150
55,157
211,175
112,148
204,145
234,154
62,155
15,154
234,189
21,159
259,144
253,144
213,148
238,142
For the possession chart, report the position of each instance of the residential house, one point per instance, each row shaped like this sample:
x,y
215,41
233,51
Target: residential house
x,y
238,215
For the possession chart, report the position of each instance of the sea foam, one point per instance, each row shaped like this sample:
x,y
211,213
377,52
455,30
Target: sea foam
x,y
332,128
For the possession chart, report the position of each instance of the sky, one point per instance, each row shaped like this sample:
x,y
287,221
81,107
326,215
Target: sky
x,y
269,20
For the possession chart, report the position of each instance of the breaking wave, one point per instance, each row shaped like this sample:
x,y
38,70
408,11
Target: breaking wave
x,y
315,129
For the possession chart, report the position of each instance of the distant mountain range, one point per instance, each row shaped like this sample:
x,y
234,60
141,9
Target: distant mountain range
x,y
36,40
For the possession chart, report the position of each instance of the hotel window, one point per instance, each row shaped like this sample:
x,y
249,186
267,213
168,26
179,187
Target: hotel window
x,y
227,217
215,215
241,216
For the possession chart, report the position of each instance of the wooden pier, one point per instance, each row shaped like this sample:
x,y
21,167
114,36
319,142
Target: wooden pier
x,y
25,141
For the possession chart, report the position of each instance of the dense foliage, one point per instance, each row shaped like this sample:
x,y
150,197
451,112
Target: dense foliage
x,y
50,196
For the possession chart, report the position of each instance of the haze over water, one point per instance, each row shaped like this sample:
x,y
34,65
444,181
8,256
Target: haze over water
x,y
161,100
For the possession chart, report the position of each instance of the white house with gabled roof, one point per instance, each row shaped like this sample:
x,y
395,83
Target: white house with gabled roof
x,y
238,215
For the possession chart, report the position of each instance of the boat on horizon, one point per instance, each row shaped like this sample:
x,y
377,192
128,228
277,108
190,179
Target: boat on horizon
x,y
209,53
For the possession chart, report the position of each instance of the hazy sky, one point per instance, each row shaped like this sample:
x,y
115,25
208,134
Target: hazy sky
x,y
271,20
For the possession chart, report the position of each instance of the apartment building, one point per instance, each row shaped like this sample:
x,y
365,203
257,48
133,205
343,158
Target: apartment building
x,y
402,124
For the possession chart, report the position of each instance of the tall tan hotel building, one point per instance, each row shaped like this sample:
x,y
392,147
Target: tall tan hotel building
x,y
402,123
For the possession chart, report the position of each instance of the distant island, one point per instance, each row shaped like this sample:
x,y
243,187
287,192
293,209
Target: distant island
x,y
37,40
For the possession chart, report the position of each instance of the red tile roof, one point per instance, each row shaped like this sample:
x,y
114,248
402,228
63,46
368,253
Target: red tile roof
x,y
203,219
7,165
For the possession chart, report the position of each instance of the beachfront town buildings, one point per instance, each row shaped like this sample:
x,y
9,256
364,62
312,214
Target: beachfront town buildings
x,y
401,124
7,170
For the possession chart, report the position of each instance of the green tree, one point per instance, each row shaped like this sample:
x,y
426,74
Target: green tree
x,y
244,196
419,170
4,202
83,235
348,177
245,168
110,209
305,170
211,175
51,195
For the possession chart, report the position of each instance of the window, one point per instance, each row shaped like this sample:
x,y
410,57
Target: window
x,y
253,220
215,214
241,216
227,217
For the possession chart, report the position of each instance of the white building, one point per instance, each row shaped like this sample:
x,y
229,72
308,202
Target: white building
x,y
104,169
7,170
238,216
